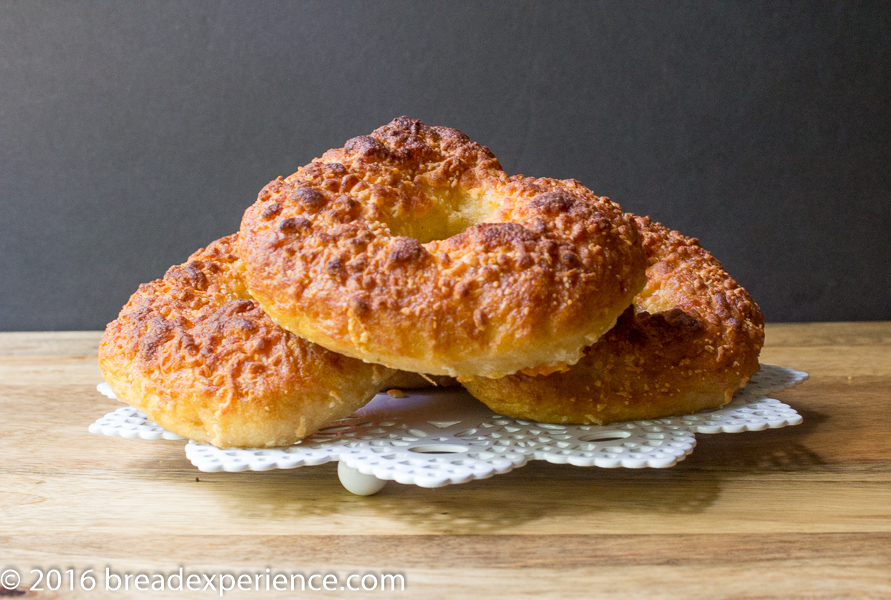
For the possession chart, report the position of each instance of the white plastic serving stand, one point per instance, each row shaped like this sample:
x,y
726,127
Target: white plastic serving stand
x,y
433,438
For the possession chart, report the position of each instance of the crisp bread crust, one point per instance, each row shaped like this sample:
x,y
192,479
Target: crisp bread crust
x,y
199,356
543,269
691,339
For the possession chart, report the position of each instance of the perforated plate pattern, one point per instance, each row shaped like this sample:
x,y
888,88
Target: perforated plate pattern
x,y
433,438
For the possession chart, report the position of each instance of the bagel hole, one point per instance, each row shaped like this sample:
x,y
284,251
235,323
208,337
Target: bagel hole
x,y
440,213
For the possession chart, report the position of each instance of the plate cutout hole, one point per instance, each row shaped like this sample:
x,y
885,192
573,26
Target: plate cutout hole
x,y
605,436
439,449
334,428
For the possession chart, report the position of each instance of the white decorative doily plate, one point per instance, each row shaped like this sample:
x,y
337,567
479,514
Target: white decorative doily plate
x,y
433,438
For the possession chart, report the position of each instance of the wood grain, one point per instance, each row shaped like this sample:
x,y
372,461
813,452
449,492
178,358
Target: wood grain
x,y
801,512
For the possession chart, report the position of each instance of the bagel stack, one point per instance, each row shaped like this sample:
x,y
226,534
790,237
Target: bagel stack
x,y
409,256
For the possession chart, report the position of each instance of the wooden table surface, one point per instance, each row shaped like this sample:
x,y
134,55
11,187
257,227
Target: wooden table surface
x,y
800,512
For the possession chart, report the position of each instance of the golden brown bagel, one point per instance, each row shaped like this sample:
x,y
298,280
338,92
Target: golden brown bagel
x,y
691,339
200,358
410,247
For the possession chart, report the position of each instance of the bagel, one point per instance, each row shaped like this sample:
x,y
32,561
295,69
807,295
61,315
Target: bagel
x,y
196,354
690,339
411,247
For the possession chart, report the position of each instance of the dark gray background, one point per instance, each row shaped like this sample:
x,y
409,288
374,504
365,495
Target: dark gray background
x,y
132,134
